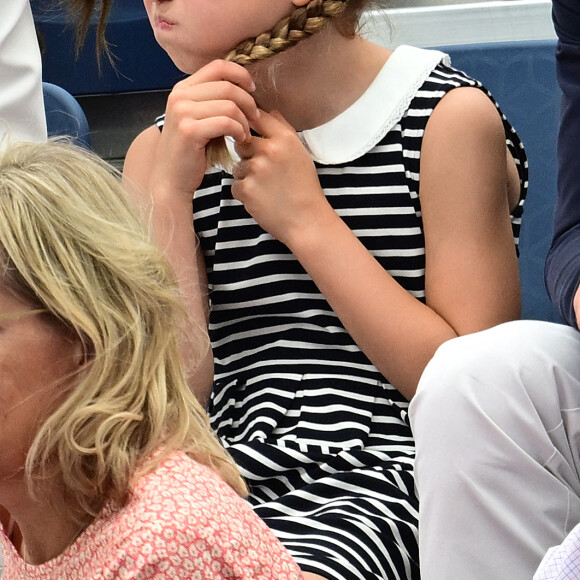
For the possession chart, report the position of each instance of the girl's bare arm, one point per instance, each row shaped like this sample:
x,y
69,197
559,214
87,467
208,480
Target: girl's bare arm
x,y
171,219
164,169
471,272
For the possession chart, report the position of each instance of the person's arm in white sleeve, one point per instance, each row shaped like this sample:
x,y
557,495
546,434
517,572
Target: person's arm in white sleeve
x,y
21,104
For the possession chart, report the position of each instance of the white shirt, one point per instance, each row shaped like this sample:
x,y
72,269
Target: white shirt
x,y
21,104
562,562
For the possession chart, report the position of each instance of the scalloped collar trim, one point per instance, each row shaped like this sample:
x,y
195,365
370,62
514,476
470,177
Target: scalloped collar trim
x,y
360,127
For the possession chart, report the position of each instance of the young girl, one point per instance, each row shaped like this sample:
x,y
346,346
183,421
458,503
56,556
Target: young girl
x,y
366,220
108,466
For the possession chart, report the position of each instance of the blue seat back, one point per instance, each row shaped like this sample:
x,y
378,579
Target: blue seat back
x,y
521,76
140,63
64,115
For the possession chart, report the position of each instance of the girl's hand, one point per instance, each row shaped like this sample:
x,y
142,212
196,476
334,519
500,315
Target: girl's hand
x,y
214,102
277,182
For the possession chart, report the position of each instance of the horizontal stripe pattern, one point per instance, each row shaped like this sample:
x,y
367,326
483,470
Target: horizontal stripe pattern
x,y
321,436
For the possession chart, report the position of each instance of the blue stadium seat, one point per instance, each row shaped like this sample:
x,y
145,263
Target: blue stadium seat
x,y
140,63
521,76
64,115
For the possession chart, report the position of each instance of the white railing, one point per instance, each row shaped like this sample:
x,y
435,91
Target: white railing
x,y
437,25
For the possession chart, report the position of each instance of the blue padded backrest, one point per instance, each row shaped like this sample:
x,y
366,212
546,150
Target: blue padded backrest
x,y
522,78
141,64
64,115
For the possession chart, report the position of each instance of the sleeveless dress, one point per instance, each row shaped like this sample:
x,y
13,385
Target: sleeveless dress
x,y
321,437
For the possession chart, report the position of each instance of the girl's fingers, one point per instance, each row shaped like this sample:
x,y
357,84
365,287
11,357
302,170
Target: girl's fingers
x,y
269,124
221,70
219,90
214,127
246,149
222,90
221,111
239,170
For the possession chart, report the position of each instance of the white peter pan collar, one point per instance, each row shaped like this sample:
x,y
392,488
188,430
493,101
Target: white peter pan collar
x,y
360,127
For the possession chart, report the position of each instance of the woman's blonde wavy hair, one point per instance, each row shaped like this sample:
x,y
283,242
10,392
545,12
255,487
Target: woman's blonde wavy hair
x,y
302,23
70,243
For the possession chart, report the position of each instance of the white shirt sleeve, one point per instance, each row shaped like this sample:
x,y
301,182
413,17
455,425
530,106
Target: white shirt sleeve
x,y
21,105
562,562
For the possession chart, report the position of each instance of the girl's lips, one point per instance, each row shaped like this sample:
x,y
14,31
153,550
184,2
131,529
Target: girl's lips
x,y
163,23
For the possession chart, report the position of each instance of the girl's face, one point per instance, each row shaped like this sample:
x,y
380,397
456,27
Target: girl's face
x,y
37,355
195,32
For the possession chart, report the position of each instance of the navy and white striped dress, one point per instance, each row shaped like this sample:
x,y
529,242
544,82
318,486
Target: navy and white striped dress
x,y
321,437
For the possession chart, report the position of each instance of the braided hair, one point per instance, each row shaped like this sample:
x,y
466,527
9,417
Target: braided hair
x,y
301,24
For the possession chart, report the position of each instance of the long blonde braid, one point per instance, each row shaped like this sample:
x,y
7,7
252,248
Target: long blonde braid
x,y
302,23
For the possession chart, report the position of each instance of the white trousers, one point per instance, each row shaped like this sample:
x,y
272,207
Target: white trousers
x,y
496,420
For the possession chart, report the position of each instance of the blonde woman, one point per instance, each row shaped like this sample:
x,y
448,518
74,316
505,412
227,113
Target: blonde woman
x,y
108,466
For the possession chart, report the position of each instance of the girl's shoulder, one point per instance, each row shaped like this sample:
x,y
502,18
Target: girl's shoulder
x,y
420,74
410,79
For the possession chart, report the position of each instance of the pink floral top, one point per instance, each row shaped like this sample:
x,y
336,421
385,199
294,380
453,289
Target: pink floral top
x,y
183,521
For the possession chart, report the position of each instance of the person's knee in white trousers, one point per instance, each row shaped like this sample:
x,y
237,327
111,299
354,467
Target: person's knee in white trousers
x,y
496,420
